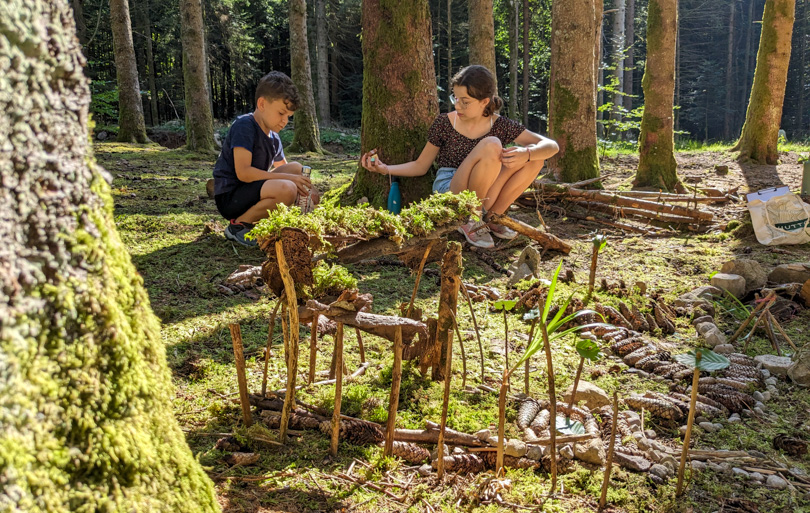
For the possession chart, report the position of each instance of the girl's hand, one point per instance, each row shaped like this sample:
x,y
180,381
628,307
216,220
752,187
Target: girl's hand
x,y
514,157
373,164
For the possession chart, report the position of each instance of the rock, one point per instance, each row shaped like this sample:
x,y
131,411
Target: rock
x,y
425,470
661,471
756,476
483,435
567,452
735,417
772,381
700,419
751,270
527,265
766,396
715,337
790,273
698,466
724,348
434,454
700,297
759,411
633,420
492,440
458,450
740,472
777,365
734,284
765,373
707,427
714,466
650,434
515,447
643,443
670,461
777,482
773,390
718,426
757,395
703,327
638,372
682,430
536,452
593,396
592,451
799,372
748,413
702,318
636,463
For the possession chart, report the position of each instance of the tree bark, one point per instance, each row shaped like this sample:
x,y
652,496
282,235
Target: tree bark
x,y
448,302
513,59
527,18
199,118
131,126
629,59
87,395
618,59
307,136
399,95
730,54
758,142
803,66
482,35
572,99
78,18
449,45
656,165
323,62
146,27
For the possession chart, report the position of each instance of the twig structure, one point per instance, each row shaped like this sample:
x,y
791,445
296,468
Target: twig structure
x,y
239,358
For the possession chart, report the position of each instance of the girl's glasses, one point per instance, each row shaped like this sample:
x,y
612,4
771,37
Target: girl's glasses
x,y
459,103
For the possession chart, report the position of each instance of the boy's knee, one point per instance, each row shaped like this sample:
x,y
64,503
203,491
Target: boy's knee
x,y
288,191
295,167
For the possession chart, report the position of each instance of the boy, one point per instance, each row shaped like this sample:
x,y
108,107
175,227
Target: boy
x,y
245,186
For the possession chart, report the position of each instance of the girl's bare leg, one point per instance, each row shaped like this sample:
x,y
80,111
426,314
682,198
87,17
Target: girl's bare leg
x,y
509,184
480,169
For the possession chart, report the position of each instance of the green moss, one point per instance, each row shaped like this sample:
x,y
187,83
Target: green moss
x,y
576,164
331,280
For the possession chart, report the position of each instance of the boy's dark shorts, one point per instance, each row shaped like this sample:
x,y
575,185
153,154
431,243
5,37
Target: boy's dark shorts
x,y
236,202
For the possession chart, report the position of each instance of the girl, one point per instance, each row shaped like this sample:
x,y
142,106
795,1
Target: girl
x,y
469,147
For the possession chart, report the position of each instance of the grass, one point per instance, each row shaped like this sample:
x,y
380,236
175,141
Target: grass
x,y
174,235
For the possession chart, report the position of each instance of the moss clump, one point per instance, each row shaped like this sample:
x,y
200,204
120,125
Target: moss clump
x,y
732,225
331,280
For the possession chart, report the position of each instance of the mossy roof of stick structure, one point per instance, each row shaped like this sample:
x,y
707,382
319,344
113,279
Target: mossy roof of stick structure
x,y
365,222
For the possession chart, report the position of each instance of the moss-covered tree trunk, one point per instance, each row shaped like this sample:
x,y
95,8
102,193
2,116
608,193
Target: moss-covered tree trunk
x,y
199,118
482,34
761,129
86,416
400,99
307,136
572,96
131,126
322,65
656,163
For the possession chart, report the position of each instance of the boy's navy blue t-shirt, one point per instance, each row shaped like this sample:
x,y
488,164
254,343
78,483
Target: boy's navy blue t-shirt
x,y
245,133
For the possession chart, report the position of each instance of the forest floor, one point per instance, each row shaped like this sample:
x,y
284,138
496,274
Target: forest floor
x,y
174,235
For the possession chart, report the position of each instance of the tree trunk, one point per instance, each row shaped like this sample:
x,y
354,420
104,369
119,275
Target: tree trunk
x,y
307,135
656,164
760,131
599,70
513,59
131,127
399,95
803,67
323,62
199,119
145,24
749,44
333,64
482,34
87,394
78,18
677,114
729,113
618,59
527,18
629,59
572,97
449,46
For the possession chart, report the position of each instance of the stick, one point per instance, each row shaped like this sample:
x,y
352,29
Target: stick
x,y
448,302
771,335
333,446
747,321
609,463
269,342
779,327
689,422
313,348
393,402
526,373
360,345
560,440
475,325
552,399
292,344
576,382
239,358
759,319
463,354
506,349
419,277
448,376
547,240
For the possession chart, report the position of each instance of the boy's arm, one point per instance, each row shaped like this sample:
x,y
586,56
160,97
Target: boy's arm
x,y
245,172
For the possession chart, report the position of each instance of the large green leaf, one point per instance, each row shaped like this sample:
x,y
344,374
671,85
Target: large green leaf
x,y
703,359
567,426
504,304
551,289
589,350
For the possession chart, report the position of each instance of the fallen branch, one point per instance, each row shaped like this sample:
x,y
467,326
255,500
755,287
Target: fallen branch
x,y
383,246
380,325
547,240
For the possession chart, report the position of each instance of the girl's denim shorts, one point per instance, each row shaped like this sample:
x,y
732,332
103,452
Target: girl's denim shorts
x,y
443,177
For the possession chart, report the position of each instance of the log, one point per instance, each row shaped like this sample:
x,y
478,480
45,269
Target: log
x,y
672,198
239,358
393,401
650,232
448,299
384,326
291,345
376,247
637,212
448,376
547,240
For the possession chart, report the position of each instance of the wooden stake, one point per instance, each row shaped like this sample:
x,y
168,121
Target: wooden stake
x,y
463,354
748,320
360,345
552,399
609,463
526,372
333,447
419,277
691,419
782,331
313,348
576,382
269,342
291,346
761,317
501,427
506,348
448,301
239,358
393,401
448,376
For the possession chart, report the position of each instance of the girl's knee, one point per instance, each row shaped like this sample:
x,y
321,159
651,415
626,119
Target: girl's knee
x,y
491,146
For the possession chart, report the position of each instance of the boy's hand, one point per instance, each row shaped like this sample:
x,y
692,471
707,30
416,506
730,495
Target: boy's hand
x,y
301,182
514,157
373,164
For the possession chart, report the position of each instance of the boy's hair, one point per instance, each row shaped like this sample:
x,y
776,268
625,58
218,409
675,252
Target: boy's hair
x,y
278,86
480,84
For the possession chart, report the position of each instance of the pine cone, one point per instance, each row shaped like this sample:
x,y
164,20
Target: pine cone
x,y
648,363
701,408
682,374
639,320
642,352
663,409
744,371
651,322
272,419
355,431
742,359
527,411
683,406
663,320
627,313
617,318
541,421
463,463
626,346
409,452
668,370
729,397
793,446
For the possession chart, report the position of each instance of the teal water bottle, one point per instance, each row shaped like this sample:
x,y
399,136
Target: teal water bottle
x,y
394,197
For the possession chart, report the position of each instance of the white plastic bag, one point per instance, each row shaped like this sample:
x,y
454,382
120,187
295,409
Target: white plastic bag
x,y
779,217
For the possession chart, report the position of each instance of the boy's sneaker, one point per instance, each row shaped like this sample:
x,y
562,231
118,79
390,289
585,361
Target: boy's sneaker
x,y
502,231
237,231
477,234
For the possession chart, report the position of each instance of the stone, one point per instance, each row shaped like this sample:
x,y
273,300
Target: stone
x,y
772,381
700,419
699,298
698,465
718,426
593,396
773,390
425,470
703,327
536,452
661,471
715,337
799,372
756,476
751,270
633,420
748,413
714,466
636,463
735,417
740,472
777,482
701,319
765,373
682,430
759,411
434,454
734,284
651,434
458,450
515,447
670,461
777,365
592,451
483,435
492,440
766,396
790,273
643,443
567,452
707,427
724,348
526,266
760,405
757,395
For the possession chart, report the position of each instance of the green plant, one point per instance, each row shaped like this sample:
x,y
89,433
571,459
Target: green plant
x,y
331,280
588,350
728,304
505,305
599,242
